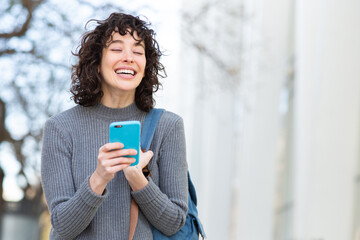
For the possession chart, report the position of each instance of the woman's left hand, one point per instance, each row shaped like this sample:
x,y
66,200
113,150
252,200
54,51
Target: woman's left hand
x,y
144,159
134,174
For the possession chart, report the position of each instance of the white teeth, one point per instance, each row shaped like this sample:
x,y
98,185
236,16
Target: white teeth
x,y
125,71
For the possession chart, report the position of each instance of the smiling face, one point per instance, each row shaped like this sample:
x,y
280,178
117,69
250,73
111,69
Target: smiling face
x,y
122,66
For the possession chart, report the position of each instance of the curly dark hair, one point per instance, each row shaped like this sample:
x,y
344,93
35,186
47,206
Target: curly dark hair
x,y
86,79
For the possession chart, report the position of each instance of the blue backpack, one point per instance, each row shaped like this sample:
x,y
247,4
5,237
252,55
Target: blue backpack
x,y
192,227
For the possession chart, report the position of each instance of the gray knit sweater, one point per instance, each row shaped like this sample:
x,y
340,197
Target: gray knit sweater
x,y
69,156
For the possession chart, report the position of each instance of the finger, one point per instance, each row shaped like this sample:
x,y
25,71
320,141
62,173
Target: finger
x,y
118,168
148,154
116,161
119,153
105,156
125,160
145,158
143,151
111,146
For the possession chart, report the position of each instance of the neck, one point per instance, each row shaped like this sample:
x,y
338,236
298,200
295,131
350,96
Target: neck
x,y
117,100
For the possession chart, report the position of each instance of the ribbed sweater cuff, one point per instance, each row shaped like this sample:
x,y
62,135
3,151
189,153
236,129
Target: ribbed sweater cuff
x,y
89,197
148,194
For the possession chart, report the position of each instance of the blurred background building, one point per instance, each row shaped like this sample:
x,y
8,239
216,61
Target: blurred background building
x,y
269,92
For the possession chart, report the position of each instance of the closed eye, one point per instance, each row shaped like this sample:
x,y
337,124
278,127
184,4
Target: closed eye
x,y
116,50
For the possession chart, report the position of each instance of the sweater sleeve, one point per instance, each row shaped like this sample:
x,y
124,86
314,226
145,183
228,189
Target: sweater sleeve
x,y
71,209
165,206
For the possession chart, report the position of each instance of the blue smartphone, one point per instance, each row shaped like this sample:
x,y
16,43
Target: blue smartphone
x,y
127,133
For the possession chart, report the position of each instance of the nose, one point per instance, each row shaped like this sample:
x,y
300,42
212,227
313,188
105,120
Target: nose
x,y
128,56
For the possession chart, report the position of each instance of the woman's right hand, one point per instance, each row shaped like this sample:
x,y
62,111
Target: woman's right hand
x,y
110,161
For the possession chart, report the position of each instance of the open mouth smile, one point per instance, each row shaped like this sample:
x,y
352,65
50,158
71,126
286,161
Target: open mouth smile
x,y
126,72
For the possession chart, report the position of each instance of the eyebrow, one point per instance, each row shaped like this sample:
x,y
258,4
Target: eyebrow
x,y
121,41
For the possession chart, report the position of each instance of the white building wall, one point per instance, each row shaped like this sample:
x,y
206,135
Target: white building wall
x,y
265,52
327,108
237,60
233,92
209,79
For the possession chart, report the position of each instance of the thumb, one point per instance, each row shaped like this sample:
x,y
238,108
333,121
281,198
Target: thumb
x,y
145,158
149,154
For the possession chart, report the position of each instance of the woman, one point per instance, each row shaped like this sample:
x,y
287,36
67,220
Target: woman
x,y
87,181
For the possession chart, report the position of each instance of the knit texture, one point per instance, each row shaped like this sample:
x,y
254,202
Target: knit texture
x,y
71,142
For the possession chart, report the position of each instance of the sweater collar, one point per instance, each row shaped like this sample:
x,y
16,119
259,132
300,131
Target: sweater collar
x,y
130,112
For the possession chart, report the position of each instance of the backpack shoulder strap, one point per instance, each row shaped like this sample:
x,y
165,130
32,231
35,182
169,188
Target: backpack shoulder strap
x,y
149,127
148,130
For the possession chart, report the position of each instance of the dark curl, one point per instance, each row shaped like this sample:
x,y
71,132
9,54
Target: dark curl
x,y
86,79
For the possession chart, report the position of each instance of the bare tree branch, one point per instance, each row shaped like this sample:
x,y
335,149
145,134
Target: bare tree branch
x,y
4,134
10,51
30,6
